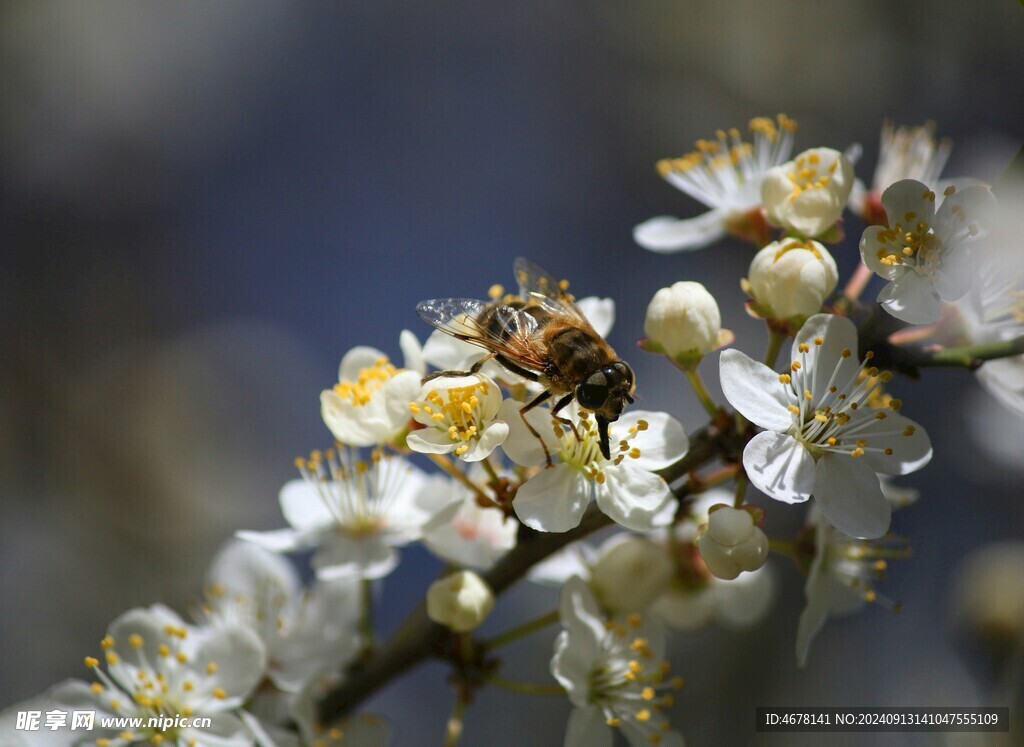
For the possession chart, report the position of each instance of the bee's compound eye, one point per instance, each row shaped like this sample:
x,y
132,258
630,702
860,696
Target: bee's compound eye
x,y
593,392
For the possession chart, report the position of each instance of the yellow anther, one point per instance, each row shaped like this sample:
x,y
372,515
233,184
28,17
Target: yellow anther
x,y
135,641
909,431
91,662
613,722
218,693
643,715
647,693
211,668
794,366
888,452
112,658
793,409
858,452
785,378
846,353
677,683
634,620
642,425
181,657
96,688
107,643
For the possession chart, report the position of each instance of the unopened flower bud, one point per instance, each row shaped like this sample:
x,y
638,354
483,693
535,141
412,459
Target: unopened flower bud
x,y
791,278
988,593
807,195
732,543
460,601
683,320
631,575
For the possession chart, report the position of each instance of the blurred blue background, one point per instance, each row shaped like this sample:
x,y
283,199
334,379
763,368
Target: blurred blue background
x,y
205,205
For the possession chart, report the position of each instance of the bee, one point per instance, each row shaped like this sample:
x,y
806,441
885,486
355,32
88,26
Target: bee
x,y
542,336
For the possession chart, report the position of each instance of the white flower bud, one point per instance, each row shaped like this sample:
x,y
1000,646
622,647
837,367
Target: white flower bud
x,y
631,575
807,195
732,543
460,601
683,320
988,593
792,277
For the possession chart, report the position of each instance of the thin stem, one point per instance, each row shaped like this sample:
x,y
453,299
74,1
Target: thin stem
x,y
450,469
538,623
783,547
775,340
528,688
741,488
966,356
491,472
702,392
366,614
454,729
858,282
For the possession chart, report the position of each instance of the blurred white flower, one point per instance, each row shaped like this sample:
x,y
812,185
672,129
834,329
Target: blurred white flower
x,y
554,499
613,673
732,543
460,415
924,253
302,631
370,403
354,512
904,153
468,534
792,278
156,664
842,577
807,195
626,573
683,322
725,174
988,592
460,601
818,439
694,597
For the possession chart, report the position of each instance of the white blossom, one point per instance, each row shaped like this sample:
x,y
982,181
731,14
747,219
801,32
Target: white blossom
x,y
354,512
613,673
370,403
821,436
156,664
725,175
466,533
842,577
927,255
460,601
904,153
626,489
732,543
302,630
683,321
460,415
807,195
792,278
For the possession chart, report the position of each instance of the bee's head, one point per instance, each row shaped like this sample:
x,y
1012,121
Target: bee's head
x,y
606,392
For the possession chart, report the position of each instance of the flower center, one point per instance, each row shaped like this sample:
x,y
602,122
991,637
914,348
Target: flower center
x,y
359,494
582,449
718,170
808,174
369,380
835,419
457,410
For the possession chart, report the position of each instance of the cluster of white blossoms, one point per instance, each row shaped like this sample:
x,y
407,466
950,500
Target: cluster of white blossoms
x,y
507,437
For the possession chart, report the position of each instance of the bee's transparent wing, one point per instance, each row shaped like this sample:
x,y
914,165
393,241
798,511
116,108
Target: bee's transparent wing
x,y
542,288
501,329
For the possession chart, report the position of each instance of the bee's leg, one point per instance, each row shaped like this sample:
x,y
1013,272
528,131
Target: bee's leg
x,y
513,367
565,421
540,398
475,368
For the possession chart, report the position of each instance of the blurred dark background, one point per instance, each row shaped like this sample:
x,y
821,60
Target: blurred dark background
x,y
204,205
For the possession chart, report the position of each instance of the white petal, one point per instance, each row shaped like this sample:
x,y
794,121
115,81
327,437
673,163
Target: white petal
x,y
368,557
430,441
399,391
632,497
521,446
147,623
412,352
600,312
493,436
356,359
755,390
553,500
911,298
248,569
363,425
574,560
908,196
909,453
812,619
281,540
850,497
837,334
956,275
780,467
587,728
871,242
303,506
239,657
665,234
578,647
664,442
